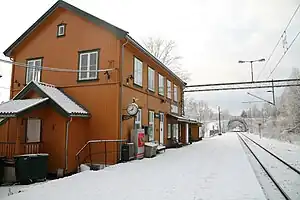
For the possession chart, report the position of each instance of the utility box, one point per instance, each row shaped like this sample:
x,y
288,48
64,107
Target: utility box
x,y
127,152
150,149
138,138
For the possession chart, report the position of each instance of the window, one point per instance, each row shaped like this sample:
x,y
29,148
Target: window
x,y
61,30
151,81
33,131
138,120
175,93
33,70
169,130
151,126
161,85
138,72
88,61
174,109
169,89
175,131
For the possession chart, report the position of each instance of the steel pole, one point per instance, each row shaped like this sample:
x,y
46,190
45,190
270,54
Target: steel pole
x,y
220,132
251,71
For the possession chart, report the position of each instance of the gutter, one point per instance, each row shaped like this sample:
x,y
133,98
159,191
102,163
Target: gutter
x,y
67,144
121,94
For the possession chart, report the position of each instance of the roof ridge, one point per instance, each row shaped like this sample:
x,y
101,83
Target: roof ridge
x,y
44,84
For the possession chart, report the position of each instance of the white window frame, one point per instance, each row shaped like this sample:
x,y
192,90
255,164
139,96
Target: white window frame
x,y
175,93
138,72
161,85
88,67
59,28
175,131
138,119
35,69
169,89
151,124
169,130
151,79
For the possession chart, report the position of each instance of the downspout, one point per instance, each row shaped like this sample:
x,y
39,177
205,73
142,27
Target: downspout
x,y
67,144
121,94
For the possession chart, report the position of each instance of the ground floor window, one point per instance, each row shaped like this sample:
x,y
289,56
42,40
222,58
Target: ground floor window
x,y
151,126
175,131
33,130
169,130
138,120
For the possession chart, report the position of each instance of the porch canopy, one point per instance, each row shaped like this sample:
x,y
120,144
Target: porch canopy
x,y
185,119
49,95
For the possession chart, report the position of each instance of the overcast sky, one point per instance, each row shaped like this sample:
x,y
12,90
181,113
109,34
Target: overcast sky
x,y
211,35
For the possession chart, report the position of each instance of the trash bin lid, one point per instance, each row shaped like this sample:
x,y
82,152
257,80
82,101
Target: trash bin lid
x,y
26,155
43,154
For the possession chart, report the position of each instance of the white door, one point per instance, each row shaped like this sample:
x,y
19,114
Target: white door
x,y
161,128
33,131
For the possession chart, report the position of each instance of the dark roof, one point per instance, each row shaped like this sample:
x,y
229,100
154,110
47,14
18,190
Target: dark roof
x,y
62,4
120,33
13,108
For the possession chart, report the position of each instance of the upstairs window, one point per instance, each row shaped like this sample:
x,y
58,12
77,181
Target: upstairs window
x,y
61,30
138,72
161,85
151,81
175,93
88,65
169,89
33,70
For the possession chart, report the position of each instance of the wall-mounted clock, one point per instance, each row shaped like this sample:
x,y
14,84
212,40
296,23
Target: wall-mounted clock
x,y
132,109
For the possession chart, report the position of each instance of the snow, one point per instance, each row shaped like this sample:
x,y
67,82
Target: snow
x,y
151,144
15,106
288,152
216,168
269,188
286,178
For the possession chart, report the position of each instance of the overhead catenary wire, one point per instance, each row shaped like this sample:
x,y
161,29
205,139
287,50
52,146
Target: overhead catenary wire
x,y
19,64
275,47
277,64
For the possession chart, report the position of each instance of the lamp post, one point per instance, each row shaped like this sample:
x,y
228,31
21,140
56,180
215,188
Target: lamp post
x,y
219,110
251,64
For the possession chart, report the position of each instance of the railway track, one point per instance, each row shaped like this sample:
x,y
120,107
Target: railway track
x,y
285,177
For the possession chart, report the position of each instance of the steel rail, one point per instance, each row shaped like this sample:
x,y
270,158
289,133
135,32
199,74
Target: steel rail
x,y
286,196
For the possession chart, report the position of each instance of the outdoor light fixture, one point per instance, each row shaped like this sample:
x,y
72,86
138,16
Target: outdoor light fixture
x,y
251,62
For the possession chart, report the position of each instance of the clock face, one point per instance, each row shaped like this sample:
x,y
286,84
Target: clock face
x,y
132,109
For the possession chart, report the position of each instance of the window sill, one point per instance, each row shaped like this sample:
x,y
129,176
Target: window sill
x,y
87,80
161,95
61,36
137,85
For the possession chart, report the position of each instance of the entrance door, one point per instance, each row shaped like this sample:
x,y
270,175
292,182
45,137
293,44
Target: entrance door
x,y
33,132
161,128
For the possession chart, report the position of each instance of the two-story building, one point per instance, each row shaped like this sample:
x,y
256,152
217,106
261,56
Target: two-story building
x,y
73,76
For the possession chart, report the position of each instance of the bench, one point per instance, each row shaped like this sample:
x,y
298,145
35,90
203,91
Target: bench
x,y
161,148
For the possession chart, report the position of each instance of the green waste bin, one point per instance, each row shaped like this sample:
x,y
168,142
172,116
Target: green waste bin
x,y
31,167
2,164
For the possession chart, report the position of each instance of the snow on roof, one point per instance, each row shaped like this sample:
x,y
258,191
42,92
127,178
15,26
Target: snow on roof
x,y
61,99
13,107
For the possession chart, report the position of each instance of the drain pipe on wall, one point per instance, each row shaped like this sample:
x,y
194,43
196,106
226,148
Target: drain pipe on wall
x,y
121,94
66,145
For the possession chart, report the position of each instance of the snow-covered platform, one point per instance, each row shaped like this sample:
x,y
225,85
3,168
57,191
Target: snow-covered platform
x,y
212,169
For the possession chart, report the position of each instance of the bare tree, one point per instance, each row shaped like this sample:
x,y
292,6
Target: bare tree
x,y
163,50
